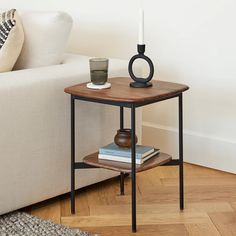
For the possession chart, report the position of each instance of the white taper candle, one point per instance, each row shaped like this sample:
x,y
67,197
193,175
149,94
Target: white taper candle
x,y
141,28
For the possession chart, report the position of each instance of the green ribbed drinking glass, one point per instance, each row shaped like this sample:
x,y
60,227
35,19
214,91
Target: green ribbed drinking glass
x,y
99,70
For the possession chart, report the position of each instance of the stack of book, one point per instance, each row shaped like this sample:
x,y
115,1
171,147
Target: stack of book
x,y
113,152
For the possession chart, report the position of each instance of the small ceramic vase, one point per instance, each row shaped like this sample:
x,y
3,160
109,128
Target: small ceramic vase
x,y
123,138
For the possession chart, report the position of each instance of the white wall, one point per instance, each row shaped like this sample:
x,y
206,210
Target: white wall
x,y
190,41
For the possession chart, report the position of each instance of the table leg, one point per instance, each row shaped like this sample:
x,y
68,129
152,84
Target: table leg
x,y
181,167
122,180
133,155
122,185
121,117
72,196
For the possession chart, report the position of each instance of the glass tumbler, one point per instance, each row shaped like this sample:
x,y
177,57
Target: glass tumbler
x,y
99,70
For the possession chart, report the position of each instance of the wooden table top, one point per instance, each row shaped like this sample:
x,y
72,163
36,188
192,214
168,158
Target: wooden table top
x,y
120,91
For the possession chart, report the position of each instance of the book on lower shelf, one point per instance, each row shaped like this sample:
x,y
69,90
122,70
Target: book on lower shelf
x,y
113,149
139,161
113,152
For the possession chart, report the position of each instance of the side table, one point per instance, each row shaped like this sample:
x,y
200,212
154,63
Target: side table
x,y
123,96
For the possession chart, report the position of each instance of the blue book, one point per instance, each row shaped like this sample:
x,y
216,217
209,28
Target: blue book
x,y
113,149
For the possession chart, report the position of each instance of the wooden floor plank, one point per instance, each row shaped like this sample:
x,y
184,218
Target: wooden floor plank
x,y
47,211
233,204
142,219
147,230
207,207
201,181
195,170
202,229
225,222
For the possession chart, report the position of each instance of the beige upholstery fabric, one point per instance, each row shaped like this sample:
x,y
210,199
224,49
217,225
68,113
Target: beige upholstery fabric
x,y
12,39
46,35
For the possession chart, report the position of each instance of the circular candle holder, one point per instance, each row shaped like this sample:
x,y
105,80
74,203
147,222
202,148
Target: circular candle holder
x,y
141,82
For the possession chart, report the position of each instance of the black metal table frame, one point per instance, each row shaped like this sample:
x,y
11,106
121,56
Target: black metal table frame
x,y
132,106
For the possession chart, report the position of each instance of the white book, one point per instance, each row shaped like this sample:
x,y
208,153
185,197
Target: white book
x,y
126,159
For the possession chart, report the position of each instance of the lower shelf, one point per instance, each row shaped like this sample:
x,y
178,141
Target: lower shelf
x,y
158,160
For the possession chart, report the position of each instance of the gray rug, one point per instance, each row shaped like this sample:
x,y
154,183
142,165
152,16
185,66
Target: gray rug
x,y
19,223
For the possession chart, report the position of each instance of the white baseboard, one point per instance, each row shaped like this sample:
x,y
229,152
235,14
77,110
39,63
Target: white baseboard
x,y
199,149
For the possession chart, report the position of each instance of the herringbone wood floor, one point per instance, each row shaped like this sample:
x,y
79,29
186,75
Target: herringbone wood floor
x,y
210,208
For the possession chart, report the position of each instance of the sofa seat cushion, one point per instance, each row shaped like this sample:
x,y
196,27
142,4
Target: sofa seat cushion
x,y
46,35
11,39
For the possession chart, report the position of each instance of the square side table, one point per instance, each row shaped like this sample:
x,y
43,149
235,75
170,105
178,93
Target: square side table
x,y
123,96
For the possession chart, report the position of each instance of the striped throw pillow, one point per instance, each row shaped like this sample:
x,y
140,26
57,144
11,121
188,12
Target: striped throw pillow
x,y
11,39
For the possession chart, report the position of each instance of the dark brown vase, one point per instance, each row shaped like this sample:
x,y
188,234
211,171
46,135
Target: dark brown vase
x,y
123,138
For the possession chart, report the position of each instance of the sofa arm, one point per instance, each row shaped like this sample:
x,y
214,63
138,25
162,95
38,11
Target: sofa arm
x,y
73,66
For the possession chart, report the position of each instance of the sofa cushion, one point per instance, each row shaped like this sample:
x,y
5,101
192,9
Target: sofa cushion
x,y
46,35
11,39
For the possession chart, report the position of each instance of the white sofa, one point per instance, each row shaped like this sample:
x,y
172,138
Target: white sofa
x,y
35,131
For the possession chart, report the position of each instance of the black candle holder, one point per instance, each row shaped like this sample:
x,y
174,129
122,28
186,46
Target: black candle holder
x,y
141,82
